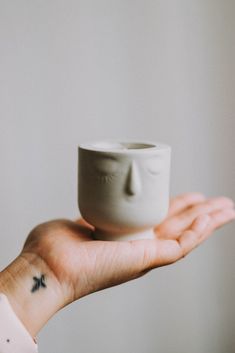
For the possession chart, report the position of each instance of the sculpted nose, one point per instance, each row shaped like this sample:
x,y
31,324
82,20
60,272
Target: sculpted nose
x,y
133,183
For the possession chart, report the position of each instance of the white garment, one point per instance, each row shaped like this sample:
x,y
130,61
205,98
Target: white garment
x,y
14,338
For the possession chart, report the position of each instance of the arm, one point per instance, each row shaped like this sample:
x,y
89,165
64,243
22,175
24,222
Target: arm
x,y
60,262
32,290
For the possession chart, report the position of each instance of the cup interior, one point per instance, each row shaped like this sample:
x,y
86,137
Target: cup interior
x,y
122,145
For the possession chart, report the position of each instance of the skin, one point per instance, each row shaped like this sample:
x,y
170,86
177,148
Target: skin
x,y
62,262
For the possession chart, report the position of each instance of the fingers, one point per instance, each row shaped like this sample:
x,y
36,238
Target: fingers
x,y
164,252
181,202
191,238
218,219
170,251
113,263
174,226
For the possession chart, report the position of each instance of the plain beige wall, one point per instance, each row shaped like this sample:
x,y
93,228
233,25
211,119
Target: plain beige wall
x,y
72,71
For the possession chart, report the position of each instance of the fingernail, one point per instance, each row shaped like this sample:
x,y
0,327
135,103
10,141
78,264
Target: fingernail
x,y
202,222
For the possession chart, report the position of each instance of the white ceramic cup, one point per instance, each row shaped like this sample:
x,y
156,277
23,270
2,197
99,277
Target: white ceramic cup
x,y
123,188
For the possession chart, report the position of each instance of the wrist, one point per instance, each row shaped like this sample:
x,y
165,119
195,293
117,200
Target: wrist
x,y
32,290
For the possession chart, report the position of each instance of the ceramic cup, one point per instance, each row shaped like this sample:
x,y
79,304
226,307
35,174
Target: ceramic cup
x,y
123,188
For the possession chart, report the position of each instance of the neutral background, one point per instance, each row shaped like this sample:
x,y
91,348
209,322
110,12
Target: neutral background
x,y
72,71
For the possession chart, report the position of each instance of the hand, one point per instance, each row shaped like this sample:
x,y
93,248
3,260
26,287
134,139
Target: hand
x,y
83,266
75,265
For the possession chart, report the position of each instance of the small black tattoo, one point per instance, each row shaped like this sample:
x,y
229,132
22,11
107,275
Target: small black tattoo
x,y
8,341
39,282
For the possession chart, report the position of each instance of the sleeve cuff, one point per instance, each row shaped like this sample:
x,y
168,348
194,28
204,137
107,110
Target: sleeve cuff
x,y
14,338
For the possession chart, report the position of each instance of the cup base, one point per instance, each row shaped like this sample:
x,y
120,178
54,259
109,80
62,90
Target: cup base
x,y
107,236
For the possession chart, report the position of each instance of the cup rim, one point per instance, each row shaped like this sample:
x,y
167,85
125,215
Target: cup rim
x,y
129,146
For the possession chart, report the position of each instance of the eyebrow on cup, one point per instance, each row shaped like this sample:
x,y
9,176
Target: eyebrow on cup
x,y
107,164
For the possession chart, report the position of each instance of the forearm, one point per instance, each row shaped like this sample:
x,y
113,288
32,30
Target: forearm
x,y
32,290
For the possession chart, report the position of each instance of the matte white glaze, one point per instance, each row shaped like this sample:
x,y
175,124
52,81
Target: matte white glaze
x,y
123,187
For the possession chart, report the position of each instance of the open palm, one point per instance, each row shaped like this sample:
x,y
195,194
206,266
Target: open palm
x,y
83,265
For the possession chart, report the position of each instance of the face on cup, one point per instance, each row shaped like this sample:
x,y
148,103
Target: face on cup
x,y
124,187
